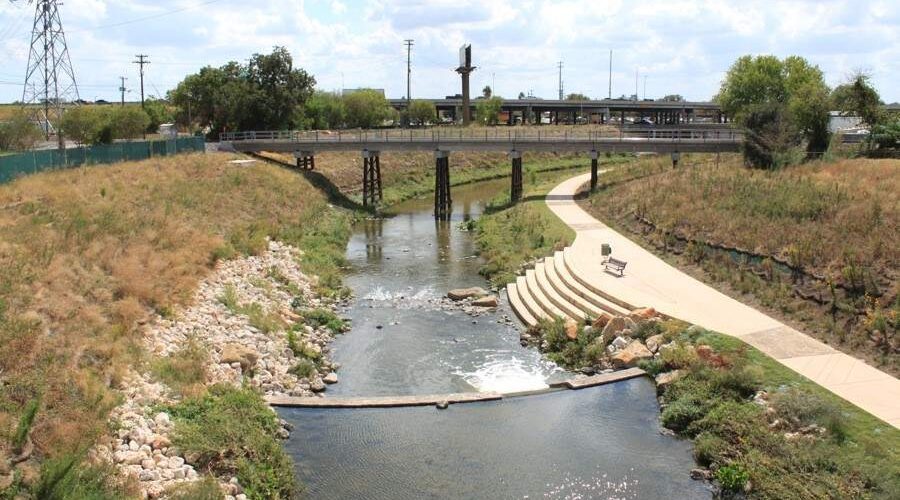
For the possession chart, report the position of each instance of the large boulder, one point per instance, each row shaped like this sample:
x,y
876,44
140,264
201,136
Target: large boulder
x,y
654,342
236,353
615,327
630,355
488,301
571,329
663,380
600,322
643,313
465,293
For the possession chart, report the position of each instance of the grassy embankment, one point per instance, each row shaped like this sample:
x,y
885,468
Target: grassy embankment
x,y
511,236
820,243
855,456
89,254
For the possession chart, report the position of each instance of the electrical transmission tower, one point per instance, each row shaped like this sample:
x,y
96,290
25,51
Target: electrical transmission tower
x,y
50,79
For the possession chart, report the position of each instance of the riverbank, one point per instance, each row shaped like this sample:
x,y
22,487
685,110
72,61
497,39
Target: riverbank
x,y
759,429
814,245
116,260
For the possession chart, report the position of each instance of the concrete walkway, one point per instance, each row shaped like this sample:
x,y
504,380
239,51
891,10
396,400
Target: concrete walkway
x,y
649,281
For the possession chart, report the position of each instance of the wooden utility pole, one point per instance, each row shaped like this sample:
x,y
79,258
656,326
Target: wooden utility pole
x,y
142,59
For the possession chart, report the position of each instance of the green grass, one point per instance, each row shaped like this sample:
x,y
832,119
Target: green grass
x,y
511,235
257,316
421,182
857,457
324,317
183,370
232,431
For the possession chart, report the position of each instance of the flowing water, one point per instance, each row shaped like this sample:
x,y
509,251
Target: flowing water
x,y
596,443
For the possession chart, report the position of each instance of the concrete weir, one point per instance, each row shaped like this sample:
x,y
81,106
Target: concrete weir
x,y
455,398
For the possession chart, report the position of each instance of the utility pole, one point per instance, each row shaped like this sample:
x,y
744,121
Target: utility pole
x,y
122,88
645,87
560,66
409,43
49,77
610,74
465,69
142,59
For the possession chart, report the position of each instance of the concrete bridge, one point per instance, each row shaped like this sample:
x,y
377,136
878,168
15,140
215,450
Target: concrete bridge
x,y
595,110
304,145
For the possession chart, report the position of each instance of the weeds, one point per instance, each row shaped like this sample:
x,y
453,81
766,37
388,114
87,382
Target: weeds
x,y
233,431
183,370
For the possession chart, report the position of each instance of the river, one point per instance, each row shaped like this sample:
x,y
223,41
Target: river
x,y
602,442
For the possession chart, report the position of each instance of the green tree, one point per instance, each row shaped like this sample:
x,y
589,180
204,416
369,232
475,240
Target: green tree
x,y
422,112
577,97
82,124
128,122
779,103
521,95
367,108
325,110
159,112
859,98
487,92
19,133
264,94
673,98
487,111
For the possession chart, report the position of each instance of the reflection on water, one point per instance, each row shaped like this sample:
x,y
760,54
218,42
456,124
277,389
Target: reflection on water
x,y
602,442
402,342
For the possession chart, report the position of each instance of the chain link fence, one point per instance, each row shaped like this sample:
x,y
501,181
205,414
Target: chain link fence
x,y
13,166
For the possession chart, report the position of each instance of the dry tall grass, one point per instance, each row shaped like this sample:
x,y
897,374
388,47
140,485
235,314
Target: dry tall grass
x,y
837,224
87,254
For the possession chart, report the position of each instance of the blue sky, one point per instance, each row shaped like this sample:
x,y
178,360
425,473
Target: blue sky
x,y
683,47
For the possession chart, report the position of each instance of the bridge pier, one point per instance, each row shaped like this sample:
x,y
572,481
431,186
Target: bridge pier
x,y
372,193
594,172
515,190
442,201
306,160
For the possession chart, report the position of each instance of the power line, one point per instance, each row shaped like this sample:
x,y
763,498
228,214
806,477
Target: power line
x,y
146,18
610,74
141,61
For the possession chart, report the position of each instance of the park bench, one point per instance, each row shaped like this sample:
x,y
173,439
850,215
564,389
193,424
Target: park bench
x,y
616,264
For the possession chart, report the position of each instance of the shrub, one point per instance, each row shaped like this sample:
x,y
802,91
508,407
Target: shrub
x,y
647,329
678,356
681,413
304,368
709,449
732,477
19,133
66,477
231,429
324,317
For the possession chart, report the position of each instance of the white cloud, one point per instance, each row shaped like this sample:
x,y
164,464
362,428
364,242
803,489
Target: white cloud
x,y
682,46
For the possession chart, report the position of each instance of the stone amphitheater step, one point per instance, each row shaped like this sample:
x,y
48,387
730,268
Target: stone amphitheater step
x,y
543,281
541,298
531,304
518,306
574,284
573,271
585,306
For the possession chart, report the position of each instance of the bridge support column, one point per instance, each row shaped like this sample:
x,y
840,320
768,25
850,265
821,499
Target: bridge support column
x,y
515,190
442,200
594,172
306,160
372,193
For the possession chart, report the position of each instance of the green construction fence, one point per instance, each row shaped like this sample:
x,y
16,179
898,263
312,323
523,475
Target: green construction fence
x,y
13,166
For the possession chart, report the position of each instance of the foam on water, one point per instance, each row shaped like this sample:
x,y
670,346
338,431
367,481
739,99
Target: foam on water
x,y
506,376
380,294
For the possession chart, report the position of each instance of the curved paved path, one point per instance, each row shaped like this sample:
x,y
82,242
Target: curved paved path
x,y
649,281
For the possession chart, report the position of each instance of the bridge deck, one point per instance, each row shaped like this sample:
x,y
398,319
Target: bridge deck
x,y
662,140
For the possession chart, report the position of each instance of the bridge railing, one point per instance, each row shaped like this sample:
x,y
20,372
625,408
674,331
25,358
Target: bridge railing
x,y
437,135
